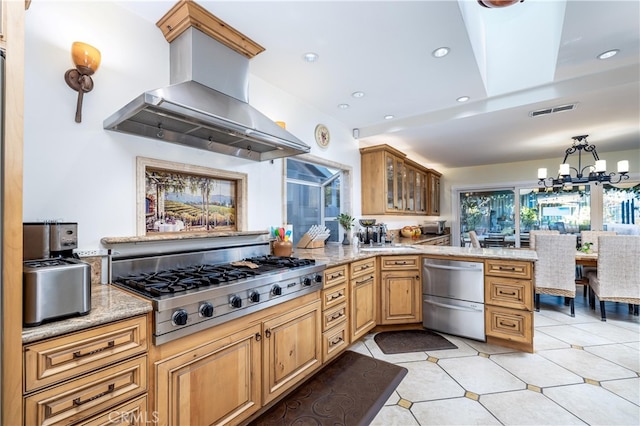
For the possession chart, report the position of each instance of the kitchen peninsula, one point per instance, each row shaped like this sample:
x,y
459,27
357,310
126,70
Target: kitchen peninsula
x,y
114,364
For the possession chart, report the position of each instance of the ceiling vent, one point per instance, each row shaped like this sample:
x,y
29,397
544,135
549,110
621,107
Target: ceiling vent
x,y
560,108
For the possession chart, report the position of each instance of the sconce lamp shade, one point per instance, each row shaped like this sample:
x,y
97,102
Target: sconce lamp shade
x,y
85,57
498,3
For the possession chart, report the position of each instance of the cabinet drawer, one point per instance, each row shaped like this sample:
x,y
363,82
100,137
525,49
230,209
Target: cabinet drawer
x,y
509,324
332,317
334,341
130,413
516,294
507,268
58,359
335,276
334,296
88,395
362,267
399,262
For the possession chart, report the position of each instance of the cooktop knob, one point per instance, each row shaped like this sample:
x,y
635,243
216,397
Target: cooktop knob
x,y
179,317
235,302
306,281
276,290
318,278
254,297
206,310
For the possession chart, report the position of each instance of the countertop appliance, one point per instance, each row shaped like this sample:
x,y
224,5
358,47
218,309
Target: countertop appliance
x,y
436,227
54,284
43,240
54,289
193,290
453,297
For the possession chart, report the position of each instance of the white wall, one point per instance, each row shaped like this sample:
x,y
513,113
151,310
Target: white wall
x,y
81,172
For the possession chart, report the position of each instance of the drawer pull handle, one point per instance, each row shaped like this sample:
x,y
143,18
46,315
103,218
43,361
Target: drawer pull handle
x,y
77,402
397,262
258,337
334,276
336,296
504,324
365,280
267,333
508,293
336,315
335,341
507,268
79,354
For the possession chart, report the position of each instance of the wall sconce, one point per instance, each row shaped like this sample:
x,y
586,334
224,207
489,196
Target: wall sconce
x,y
87,60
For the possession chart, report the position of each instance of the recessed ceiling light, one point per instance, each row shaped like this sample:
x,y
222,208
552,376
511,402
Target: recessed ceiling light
x,y
608,54
440,52
310,57
389,117
357,94
343,106
463,99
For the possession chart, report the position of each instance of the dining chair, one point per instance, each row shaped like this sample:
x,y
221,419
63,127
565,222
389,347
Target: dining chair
x,y
475,243
532,236
617,278
555,267
582,271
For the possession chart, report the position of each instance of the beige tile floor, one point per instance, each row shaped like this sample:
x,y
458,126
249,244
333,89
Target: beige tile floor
x,y
583,371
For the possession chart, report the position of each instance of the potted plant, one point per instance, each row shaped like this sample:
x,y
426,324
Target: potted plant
x,y
346,221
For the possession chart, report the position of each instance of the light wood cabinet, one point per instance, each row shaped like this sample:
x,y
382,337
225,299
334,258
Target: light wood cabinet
x,y
443,240
401,290
394,184
335,312
81,398
77,377
132,413
227,378
509,303
187,381
363,292
292,349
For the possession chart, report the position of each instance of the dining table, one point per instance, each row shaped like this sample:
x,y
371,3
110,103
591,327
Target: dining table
x,y
587,259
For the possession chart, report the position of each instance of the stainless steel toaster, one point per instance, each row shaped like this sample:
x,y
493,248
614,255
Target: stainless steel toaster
x,y
55,288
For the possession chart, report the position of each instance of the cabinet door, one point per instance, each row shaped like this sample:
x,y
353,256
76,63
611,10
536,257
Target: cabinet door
x,y
292,349
390,179
421,192
216,383
401,297
410,190
363,305
434,195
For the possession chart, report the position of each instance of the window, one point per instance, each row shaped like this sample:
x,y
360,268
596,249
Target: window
x,y
569,210
490,214
315,196
621,208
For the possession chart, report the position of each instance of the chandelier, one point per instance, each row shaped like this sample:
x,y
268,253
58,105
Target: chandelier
x,y
594,173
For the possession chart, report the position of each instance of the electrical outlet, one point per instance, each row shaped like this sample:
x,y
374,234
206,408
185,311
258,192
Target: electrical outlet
x,y
90,253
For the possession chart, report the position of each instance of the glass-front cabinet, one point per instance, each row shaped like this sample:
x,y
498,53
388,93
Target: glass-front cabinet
x,y
404,182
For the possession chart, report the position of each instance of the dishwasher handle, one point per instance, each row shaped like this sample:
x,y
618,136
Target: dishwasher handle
x,y
473,268
458,308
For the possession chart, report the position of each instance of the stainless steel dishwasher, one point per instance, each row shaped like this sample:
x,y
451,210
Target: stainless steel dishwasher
x,y
453,297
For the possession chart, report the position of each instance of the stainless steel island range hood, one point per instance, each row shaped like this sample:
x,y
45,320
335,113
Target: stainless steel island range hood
x,y
206,105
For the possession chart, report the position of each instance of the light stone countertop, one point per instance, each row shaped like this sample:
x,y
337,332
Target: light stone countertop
x,y
108,304
334,254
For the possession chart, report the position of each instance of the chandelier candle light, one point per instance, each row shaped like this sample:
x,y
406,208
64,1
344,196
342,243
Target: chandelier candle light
x,y
596,173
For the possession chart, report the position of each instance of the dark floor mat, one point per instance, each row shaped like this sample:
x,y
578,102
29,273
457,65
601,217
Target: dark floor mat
x,y
349,391
401,341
